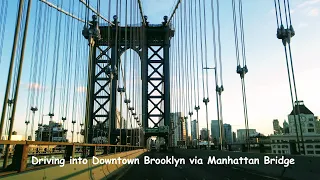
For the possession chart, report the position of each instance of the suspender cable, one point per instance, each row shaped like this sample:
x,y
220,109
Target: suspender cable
x,y
17,85
289,26
215,70
204,58
3,20
13,54
191,72
174,11
94,11
241,69
285,34
197,106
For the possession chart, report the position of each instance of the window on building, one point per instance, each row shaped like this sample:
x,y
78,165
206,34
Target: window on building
x,y
310,130
274,151
310,119
317,152
310,152
285,146
310,125
309,146
283,152
279,146
274,146
317,146
279,151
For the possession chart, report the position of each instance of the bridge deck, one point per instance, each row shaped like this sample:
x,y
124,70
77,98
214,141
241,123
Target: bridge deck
x,y
185,172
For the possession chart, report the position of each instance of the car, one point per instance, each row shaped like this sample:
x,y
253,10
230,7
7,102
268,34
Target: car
x,y
163,148
153,148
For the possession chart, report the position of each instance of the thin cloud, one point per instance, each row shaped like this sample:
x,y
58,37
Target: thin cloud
x,y
308,3
303,25
313,12
81,89
306,6
35,86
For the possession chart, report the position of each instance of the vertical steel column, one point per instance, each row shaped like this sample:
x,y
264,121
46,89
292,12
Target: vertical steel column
x,y
113,93
144,73
90,93
13,55
25,34
166,74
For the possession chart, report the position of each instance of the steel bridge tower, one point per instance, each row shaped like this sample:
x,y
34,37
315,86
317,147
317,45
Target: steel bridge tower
x,y
152,45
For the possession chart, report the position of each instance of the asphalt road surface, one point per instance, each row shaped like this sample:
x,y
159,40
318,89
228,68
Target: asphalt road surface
x,y
184,172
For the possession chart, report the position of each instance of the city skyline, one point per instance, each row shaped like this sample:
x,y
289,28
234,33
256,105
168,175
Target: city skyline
x,y
267,85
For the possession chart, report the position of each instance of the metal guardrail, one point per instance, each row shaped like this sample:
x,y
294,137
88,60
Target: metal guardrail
x,y
20,152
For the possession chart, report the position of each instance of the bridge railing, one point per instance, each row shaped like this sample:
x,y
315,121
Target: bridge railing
x,y
21,153
311,148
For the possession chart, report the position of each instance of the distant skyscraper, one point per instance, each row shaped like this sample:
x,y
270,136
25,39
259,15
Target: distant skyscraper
x,y
176,124
186,126
234,137
276,127
204,134
184,129
227,133
308,122
286,127
241,134
316,118
194,130
215,131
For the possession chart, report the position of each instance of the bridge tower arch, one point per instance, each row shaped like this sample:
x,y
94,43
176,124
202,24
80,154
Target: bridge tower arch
x,y
152,45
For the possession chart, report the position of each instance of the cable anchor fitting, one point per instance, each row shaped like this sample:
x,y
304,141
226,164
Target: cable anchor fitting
x,y
10,102
93,32
285,34
206,100
127,101
51,115
121,90
34,109
197,108
242,71
220,89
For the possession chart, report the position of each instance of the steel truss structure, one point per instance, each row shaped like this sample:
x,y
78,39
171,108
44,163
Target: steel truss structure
x,y
152,44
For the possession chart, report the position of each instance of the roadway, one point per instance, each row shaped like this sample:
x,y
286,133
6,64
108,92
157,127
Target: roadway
x,y
184,172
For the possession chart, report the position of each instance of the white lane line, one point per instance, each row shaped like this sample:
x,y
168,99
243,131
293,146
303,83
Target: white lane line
x,y
256,174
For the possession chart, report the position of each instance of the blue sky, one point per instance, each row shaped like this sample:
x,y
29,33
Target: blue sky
x,y
267,84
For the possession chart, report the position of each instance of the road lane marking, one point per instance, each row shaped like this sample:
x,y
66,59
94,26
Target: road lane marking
x,y
256,174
